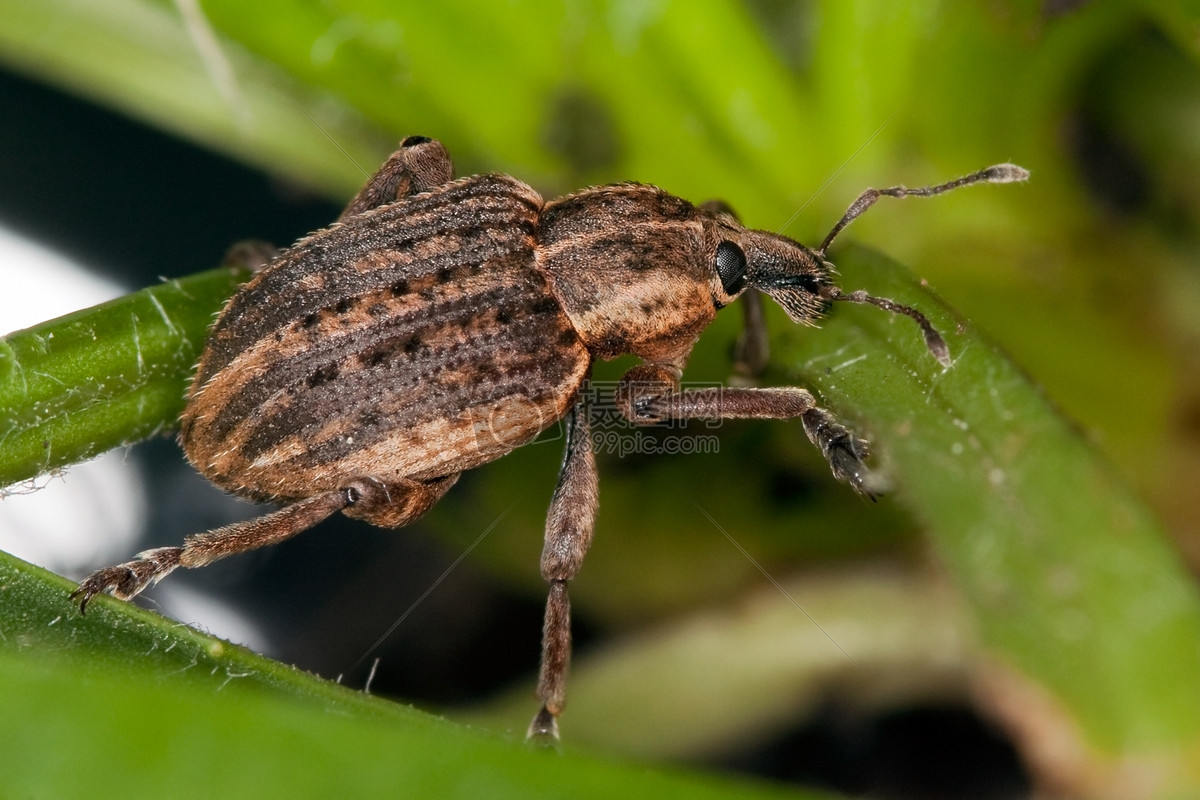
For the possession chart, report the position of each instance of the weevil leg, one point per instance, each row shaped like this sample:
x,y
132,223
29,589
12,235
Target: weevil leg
x,y
129,579
394,505
752,350
251,254
650,393
569,527
419,165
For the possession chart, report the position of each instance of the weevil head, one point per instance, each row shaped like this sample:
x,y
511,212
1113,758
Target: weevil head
x,y
796,278
638,270
800,280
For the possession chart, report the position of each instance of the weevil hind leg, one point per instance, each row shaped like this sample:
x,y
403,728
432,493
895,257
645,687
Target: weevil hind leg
x,y
128,580
396,504
420,164
251,254
386,505
569,528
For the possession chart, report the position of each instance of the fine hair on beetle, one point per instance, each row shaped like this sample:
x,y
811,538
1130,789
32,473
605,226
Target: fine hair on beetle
x,y
440,323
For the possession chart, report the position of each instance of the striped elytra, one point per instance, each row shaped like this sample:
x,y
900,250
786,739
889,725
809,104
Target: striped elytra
x,y
414,340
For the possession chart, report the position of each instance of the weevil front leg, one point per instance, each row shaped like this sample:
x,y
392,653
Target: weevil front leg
x,y
419,165
752,350
381,504
650,393
569,527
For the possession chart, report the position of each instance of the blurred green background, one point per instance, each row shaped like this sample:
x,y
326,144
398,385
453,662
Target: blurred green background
x,y
1044,581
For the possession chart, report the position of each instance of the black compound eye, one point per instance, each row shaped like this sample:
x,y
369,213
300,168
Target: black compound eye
x,y
731,267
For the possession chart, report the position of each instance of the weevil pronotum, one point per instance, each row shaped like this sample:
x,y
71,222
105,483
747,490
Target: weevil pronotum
x,y
441,323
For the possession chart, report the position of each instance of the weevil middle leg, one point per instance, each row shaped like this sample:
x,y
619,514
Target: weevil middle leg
x,y
569,528
752,350
419,165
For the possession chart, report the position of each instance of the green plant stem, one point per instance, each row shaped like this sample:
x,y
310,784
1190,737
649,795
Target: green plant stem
x,y
105,376
125,698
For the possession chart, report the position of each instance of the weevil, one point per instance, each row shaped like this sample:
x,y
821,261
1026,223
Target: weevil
x,y
439,324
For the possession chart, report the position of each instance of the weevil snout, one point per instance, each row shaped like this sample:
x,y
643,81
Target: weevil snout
x,y
801,285
801,282
800,279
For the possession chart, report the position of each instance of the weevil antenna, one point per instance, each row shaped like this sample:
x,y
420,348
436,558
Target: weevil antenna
x,y
933,339
999,173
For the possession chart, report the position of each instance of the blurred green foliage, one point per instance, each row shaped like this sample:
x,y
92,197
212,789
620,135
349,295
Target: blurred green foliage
x,y
1087,277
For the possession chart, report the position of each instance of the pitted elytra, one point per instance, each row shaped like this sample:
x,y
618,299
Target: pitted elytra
x,y
441,323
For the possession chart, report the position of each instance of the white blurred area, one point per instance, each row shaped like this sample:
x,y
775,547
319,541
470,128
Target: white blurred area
x,y
91,515
40,284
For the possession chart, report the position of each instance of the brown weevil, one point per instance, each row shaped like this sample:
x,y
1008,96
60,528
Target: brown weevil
x,y
441,323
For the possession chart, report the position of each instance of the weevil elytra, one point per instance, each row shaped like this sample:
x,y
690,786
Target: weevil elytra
x,y
441,323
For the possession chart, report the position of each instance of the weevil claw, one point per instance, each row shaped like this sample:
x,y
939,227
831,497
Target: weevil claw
x,y
845,452
543,731
126,581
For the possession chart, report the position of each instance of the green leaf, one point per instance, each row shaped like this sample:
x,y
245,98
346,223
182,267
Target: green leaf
x,y
1073,583
124,701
